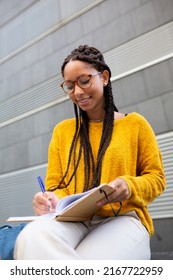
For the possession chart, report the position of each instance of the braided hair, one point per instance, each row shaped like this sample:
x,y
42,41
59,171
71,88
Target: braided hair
x,y
92,170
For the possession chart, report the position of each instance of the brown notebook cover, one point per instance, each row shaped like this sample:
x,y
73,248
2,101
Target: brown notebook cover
x,y
84,208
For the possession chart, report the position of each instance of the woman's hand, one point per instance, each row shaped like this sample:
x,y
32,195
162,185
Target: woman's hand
x,y
45,203
120,192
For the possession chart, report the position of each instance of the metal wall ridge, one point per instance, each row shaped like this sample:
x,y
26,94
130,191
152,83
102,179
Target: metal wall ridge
x,y
155,47
37,22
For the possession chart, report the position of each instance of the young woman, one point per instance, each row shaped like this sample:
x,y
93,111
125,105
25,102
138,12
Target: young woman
x,y
100,145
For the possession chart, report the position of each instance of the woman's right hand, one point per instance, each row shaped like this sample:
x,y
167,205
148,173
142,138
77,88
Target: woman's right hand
x,y
45,203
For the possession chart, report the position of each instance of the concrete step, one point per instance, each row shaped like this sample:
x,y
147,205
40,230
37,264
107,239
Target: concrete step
x,y
162,256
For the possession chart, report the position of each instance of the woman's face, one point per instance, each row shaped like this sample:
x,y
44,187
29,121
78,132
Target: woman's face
x,y
90,100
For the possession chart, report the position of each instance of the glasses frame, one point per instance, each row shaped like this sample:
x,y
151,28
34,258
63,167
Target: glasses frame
x,y
76,82
116,214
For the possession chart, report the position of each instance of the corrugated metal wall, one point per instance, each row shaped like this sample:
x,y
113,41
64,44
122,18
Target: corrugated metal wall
x,y
18,188
133,56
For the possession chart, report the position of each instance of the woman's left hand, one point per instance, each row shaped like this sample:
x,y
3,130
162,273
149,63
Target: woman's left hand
x,y
120,192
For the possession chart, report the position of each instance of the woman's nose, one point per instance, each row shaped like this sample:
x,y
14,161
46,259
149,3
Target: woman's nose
x,y
78,89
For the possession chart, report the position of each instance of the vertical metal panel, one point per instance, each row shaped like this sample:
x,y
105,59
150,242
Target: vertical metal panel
x,y
17,190
162,207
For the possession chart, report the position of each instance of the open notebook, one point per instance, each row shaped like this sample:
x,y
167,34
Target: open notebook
x,y
75,207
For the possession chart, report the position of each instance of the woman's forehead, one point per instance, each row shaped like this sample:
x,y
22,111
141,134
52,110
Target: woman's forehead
x,y
75,68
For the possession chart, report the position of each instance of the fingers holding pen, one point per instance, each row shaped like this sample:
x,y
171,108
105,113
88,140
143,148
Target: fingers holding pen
x,y
44,203
41,203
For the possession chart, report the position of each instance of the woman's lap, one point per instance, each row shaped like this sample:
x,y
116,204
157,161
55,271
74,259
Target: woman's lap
x,y
123,237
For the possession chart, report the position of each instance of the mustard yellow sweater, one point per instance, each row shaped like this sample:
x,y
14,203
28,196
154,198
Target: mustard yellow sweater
x,y
133,155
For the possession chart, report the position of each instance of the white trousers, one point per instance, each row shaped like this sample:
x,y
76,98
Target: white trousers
x,y
111,238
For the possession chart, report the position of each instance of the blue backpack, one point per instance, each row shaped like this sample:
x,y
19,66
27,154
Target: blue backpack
x,y
8,235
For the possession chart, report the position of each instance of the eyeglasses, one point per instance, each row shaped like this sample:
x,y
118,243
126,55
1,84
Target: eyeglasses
x,y
84,81
115,213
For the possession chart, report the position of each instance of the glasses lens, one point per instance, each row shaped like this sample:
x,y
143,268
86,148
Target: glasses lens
x,y
68,87
84,81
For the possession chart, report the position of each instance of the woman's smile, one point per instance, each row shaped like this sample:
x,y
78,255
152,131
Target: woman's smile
x,y
83,101
89,98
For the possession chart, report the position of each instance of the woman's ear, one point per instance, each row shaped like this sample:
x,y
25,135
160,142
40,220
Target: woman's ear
x,y
105,77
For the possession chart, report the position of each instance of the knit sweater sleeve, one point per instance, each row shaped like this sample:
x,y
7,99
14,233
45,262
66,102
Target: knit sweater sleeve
x,y
150,180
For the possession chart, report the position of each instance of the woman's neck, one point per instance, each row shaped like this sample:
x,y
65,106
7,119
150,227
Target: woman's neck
x,y
96,120
117,116
96,117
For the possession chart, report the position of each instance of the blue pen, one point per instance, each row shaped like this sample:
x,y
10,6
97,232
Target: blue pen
x,y
42,187
40,181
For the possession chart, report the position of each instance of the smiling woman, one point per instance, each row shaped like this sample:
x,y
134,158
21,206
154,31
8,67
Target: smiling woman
x,y
85,87
100,145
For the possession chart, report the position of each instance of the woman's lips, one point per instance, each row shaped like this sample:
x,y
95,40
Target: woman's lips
x,y
83,101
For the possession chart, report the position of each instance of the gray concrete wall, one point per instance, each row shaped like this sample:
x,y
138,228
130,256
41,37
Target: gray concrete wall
x,y
149,92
